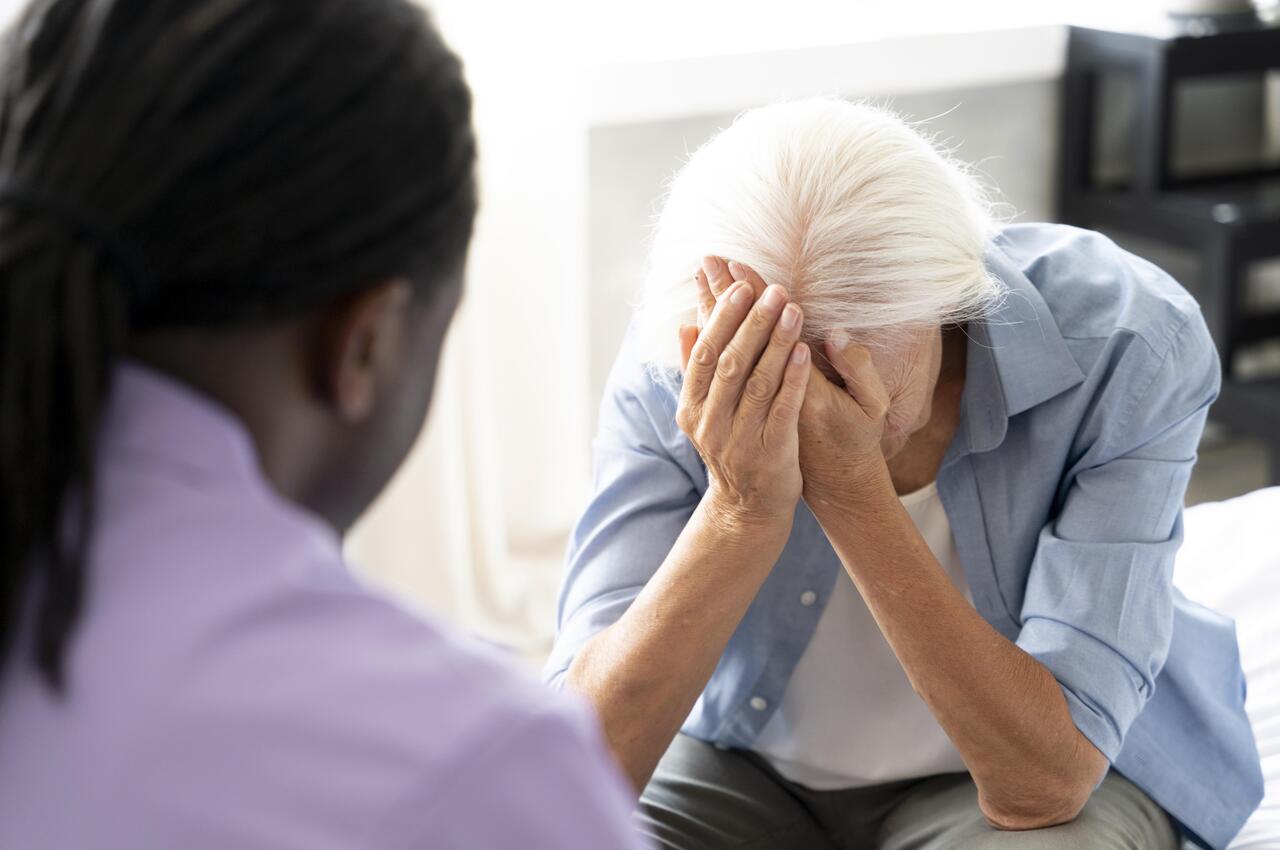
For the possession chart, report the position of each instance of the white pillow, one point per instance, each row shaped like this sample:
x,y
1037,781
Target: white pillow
x,y
1230,562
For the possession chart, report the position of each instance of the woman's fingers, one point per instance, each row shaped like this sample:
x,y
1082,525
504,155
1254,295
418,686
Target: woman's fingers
x,y
743,386
688,338
861,379
717,274
784,414
715,277
705,354
762,387
706,298
741,271
738,360
741,375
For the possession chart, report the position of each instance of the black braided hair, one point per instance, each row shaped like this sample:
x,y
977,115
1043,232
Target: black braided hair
x,y
194,163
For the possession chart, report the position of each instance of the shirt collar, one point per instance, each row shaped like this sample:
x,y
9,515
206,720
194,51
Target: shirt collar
x,y
1017,359
165,428
157,419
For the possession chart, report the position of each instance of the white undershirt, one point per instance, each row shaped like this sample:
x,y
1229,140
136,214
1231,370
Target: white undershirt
x,y
849,716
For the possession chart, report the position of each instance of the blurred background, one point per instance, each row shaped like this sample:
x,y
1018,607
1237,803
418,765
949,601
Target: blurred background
x,y
1162,131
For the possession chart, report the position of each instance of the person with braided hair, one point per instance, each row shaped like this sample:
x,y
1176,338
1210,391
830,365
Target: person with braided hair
x,y
232,235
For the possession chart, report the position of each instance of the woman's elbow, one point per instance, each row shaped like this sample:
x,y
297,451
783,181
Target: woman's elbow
x,y
1022,809
1039,795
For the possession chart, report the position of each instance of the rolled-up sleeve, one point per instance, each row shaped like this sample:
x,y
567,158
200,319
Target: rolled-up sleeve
x,y
643,494
1098,607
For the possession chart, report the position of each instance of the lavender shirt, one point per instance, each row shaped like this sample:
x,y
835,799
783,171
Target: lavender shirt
x,y
233,686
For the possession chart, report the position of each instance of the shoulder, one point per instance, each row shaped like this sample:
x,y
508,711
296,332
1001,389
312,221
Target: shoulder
x,y
402,721
1095,289
636,376
385,676
549,774
1137,337
254,666
470,732
638,407
247,587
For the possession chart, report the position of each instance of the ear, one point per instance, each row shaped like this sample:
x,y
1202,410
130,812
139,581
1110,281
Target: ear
x,y
363,342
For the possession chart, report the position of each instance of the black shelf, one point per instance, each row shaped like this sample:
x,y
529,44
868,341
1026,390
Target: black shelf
x,y
1246,205
1191,46
1229,220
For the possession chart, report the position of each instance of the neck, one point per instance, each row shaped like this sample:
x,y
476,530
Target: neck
x,y
253,373
955,348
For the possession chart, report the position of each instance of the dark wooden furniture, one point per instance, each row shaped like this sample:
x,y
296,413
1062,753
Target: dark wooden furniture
x,y
1229,219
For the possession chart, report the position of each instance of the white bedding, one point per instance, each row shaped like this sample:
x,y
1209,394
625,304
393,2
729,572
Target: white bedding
x,y
1230,562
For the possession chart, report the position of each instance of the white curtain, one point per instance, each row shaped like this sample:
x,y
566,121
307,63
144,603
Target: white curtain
x,y
474,525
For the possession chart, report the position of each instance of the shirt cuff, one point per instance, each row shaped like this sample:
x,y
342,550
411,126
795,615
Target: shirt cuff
x,y
1104,691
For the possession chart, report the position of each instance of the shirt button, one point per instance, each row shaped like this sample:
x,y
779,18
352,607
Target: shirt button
x,y
808,598
759,703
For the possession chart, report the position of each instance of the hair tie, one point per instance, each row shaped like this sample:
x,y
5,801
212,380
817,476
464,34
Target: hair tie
x,y
77,220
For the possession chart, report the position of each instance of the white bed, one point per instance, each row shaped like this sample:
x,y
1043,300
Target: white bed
x,y
1231,563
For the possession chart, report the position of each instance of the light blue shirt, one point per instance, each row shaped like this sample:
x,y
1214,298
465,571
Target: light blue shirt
x,y
1085,398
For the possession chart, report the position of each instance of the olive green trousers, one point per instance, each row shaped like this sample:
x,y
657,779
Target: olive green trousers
x,y
705,798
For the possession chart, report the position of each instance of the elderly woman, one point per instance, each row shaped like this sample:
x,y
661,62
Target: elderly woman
x,y
886,506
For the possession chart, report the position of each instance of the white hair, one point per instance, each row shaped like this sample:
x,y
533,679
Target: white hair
x,y
870,226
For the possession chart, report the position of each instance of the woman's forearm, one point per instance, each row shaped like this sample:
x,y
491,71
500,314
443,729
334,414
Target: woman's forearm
x,y
745,374
1003,710
645,672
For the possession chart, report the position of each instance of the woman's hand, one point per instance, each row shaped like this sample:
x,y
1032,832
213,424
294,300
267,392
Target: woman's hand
x,y
839,427
745,374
